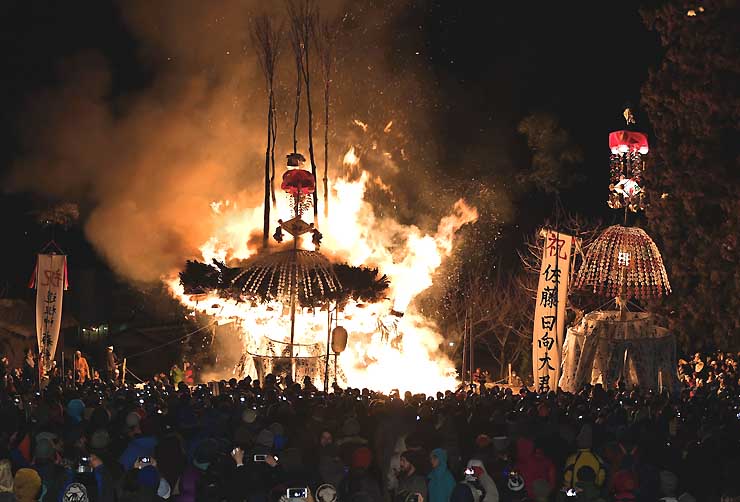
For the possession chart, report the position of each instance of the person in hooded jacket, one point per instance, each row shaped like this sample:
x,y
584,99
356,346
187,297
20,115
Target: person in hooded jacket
x,y
532,464
624,487
26,485
584,457
441,482
585,489
480,474
469,490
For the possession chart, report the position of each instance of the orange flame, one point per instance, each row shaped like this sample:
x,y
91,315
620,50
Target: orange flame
x,y
355,234
350,158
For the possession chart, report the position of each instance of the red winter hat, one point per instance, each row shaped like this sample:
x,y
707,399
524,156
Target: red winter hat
x,y
483,441
361,458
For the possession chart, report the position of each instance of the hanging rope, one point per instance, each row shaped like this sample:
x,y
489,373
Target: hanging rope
x,y
173,341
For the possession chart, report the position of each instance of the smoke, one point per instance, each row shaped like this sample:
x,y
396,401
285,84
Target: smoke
x,y
146,163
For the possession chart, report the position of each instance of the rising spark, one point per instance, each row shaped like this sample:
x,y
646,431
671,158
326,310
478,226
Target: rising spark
x,y
362,125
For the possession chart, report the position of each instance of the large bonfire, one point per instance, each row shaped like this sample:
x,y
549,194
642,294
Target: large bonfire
x,y
355,235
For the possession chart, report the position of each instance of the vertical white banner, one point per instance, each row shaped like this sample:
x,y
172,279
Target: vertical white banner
x,y
549,312
50,281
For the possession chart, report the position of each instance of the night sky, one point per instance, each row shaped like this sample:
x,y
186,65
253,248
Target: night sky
x,y
492,64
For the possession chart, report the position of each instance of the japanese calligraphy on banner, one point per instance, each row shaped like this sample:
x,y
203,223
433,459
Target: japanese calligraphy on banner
x,y
50,281
549,313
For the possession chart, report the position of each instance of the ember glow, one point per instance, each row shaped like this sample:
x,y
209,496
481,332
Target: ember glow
x,y
354,234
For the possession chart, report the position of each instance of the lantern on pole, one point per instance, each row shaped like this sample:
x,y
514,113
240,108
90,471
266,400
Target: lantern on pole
x,y
624,262
338,344
627,148
338,339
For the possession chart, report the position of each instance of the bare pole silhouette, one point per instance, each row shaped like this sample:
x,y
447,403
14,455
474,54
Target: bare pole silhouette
x,y
266,39
324,38
302,14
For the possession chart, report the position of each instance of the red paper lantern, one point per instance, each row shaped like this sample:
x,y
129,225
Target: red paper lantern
x,y
628,141
298,182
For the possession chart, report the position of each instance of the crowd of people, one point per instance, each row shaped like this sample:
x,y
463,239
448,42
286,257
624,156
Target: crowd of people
x,y
279,441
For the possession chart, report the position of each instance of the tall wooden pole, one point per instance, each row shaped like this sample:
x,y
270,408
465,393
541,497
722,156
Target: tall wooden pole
x,y
293,291
326,149
266,223
308,19
472,350
464,348
328,346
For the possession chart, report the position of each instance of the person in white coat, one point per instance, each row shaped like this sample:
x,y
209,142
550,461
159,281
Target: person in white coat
x,y
477,471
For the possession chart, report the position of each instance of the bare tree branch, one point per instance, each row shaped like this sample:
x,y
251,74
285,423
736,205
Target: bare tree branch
x,y
266,38
324,38
303,17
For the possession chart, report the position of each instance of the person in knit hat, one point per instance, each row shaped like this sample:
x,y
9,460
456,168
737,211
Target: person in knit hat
x,y
583,457
350,440
410,480
484,450
265,439
501,464
140,445
44,450
358,483
330,466
53,475
27,485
